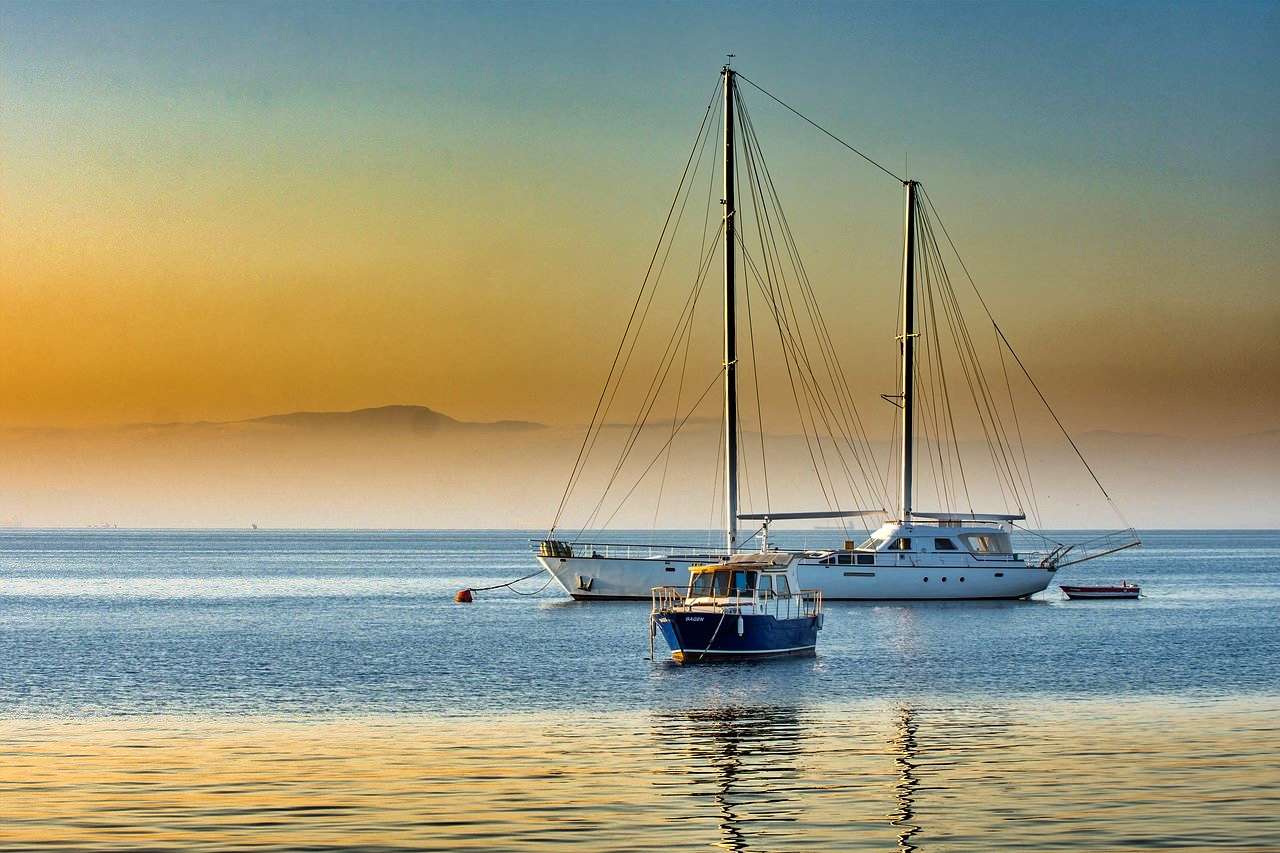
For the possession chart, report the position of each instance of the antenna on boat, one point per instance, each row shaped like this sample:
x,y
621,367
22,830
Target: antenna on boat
x,y
908,350
730,326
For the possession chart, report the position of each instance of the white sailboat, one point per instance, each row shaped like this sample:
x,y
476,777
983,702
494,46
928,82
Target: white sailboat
x,y
913,555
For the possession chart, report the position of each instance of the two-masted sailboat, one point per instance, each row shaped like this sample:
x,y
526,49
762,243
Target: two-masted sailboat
x,y
914,554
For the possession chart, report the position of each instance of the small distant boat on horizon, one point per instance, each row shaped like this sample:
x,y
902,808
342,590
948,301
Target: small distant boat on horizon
x,y
1124,590
746,608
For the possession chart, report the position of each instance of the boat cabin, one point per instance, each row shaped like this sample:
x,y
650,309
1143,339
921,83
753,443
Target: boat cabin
x,y
940,536
726,580
763,582
944,540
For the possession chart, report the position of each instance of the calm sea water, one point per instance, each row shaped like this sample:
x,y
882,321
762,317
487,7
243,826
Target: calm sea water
x,y
288,690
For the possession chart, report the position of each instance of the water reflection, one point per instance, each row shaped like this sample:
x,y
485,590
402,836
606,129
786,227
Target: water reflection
x,y
904,743
854,779
743,761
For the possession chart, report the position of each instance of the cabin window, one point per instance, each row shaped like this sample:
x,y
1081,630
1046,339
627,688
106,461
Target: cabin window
x,y
985,544
709,583
944,545
866,559
845,560
743,582
827,561
900,545
765,586
781,586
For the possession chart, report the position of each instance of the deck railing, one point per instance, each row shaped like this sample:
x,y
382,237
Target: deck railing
x,y
805,603
1091,549
623,550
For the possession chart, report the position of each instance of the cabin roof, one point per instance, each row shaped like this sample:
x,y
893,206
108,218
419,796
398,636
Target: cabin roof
x,y
771,561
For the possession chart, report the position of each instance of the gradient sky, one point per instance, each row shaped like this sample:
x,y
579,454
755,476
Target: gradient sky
x,y
227,210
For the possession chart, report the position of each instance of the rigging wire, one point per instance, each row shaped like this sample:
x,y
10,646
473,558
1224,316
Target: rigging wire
x,y
584,449
662,449
755,378
848,410
1023,367
655,385
969,363
739,226
992,424
785,338
778,100
842,420
946,428
778,291
1026,464
675,415
683,327
702,250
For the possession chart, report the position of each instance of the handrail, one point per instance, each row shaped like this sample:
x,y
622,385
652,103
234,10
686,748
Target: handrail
x,y
583,544
629,550
1092,549
806,603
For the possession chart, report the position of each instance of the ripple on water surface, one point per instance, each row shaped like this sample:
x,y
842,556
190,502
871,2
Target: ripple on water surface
x,y
229,690
871,777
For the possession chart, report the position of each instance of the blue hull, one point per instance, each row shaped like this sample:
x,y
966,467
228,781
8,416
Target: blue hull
x,y
694,637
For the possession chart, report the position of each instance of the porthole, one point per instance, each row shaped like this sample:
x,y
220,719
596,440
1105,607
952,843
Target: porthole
x,y
961,580
926,580
944,580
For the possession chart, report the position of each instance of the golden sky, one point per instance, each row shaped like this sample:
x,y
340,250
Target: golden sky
x,y
226,211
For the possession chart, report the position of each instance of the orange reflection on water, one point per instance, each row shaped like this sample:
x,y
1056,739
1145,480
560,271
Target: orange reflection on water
x,y
869,777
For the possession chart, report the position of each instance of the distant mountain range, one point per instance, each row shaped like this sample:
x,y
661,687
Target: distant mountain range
x,y
414,467
414,418
389,418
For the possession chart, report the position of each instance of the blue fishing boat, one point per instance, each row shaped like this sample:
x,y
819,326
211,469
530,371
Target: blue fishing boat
x,y
748,606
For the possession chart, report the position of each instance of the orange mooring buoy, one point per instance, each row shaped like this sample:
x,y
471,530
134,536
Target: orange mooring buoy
x,y
463,596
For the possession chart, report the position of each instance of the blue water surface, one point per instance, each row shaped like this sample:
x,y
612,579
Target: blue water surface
x,y
131,622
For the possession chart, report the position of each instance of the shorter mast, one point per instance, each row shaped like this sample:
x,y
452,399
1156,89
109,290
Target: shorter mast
x,y
908,352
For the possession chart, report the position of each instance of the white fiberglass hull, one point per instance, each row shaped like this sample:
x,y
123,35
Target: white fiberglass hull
x,y
910,577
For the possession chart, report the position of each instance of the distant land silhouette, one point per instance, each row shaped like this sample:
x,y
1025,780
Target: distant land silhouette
x,y
415,418
395,417
413,466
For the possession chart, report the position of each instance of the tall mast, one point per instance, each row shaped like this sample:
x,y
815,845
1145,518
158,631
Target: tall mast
x,y
730,342
908,351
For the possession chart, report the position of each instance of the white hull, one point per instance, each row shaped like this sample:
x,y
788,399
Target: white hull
x,y
949,576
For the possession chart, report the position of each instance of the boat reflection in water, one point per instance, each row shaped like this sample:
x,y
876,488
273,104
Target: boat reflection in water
x,y
904,790
847,778
785,778
744,762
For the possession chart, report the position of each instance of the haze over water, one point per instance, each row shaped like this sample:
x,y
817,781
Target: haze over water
x,y
220,690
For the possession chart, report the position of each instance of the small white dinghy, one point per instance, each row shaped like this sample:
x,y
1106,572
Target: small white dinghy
x,y
1124,590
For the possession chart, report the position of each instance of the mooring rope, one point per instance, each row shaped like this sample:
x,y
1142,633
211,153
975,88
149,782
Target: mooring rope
x,y
511,585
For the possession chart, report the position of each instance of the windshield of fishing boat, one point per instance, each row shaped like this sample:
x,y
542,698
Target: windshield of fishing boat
x,y
738,582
